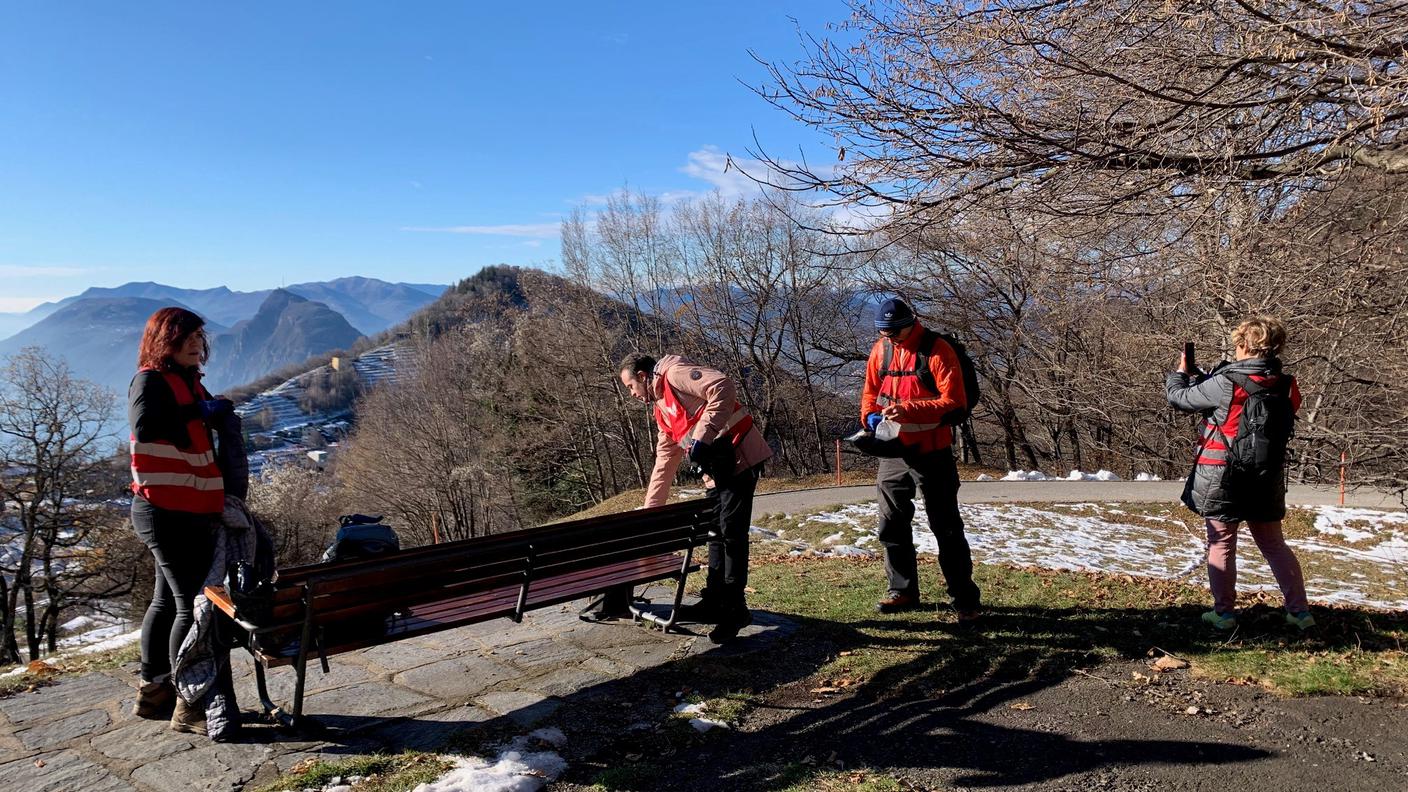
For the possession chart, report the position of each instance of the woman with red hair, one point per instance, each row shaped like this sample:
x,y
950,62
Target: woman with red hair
x,y
177,495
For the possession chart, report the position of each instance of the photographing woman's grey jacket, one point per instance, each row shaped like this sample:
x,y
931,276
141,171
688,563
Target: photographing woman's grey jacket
x,y
1205,492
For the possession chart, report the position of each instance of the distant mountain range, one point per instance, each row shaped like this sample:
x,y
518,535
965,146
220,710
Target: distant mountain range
x,y
252,333
368,304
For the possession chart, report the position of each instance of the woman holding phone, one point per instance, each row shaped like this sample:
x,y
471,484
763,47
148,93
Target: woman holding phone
x,y
1248,407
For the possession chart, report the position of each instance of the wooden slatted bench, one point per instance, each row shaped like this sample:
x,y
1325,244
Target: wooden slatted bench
x,y
324,609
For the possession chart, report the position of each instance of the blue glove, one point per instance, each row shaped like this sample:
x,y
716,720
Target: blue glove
x,y
873,420
698,451
212,408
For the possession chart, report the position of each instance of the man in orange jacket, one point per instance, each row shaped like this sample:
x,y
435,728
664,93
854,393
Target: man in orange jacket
x,y
917,394
700,418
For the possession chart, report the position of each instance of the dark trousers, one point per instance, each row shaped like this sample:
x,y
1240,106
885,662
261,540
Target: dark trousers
x,y
728,546
182,546
935,477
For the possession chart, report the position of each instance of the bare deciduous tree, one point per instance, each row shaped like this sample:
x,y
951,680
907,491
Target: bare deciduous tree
x,y
52,478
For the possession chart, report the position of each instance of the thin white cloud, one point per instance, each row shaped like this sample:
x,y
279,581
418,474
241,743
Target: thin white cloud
x,y
23,271
538,230
533,243
594,200
738,177
729,177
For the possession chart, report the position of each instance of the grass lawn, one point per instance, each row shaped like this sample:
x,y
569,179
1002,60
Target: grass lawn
x,y
1048,622
378,773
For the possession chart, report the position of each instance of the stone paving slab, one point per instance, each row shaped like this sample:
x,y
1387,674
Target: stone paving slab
x,y
342,672
564,681
46,703
60,771
79,735
457,678
53,734
143,740
523,707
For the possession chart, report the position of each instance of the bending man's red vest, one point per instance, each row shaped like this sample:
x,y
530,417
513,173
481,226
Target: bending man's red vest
x,y
676,423
179,479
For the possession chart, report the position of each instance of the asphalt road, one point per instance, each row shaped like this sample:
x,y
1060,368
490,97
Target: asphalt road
x,y
1060,492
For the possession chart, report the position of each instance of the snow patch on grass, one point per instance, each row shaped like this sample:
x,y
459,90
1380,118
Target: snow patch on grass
x,y
1102,537
520,766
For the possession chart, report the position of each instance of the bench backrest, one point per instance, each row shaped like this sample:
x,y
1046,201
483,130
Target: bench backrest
x,y
432,573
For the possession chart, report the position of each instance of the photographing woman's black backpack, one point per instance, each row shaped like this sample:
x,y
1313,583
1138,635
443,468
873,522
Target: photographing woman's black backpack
x,y
361,537
1256,456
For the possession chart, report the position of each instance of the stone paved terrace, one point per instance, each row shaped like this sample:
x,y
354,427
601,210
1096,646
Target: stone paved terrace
x,y
79,735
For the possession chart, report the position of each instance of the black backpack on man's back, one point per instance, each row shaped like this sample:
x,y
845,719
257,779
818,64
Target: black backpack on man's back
x,y
921,370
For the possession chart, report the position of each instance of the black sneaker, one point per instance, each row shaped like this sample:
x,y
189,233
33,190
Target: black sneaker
x,y
728,627
701,612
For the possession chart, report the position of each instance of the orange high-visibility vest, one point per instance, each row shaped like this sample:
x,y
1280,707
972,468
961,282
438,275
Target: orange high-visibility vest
x,y
677,424
179,479
900,383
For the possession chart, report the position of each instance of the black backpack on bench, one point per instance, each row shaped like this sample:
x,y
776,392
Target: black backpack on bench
x,y
360,537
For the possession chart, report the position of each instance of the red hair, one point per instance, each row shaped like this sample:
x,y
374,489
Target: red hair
x,y
166,331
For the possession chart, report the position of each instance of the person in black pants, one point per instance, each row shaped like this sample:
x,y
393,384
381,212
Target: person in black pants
x,y
935,477
700,418
177,496
913,383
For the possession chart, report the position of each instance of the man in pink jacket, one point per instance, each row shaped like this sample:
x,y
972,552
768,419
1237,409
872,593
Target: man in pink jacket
x,y
700,418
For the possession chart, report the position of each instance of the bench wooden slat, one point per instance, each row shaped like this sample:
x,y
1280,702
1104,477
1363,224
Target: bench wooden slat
x,y
407,573
683,512
602,578
403,588
483,605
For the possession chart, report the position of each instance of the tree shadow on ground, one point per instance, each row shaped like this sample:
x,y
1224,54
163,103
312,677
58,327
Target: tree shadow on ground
x,y
930,710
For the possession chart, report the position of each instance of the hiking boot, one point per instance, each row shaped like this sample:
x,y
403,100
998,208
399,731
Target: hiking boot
x,y
970,617
1301,621
155,700
729,625
898,602
1220,621
188,719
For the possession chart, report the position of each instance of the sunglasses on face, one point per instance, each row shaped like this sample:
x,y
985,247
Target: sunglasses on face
x,y
889,333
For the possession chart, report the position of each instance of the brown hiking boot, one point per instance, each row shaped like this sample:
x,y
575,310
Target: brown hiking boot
x,y
188,719
970,619
898,602
155,700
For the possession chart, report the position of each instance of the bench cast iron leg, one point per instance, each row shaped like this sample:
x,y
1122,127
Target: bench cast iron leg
x,y
679,590
271,709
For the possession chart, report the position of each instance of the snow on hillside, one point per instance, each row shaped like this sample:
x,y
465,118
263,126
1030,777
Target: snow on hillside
x,y
288,419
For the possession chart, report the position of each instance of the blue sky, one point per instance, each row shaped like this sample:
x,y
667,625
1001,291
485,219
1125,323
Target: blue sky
x,y
203,144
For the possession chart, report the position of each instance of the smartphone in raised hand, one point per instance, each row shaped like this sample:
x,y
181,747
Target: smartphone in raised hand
x,y
1188,357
